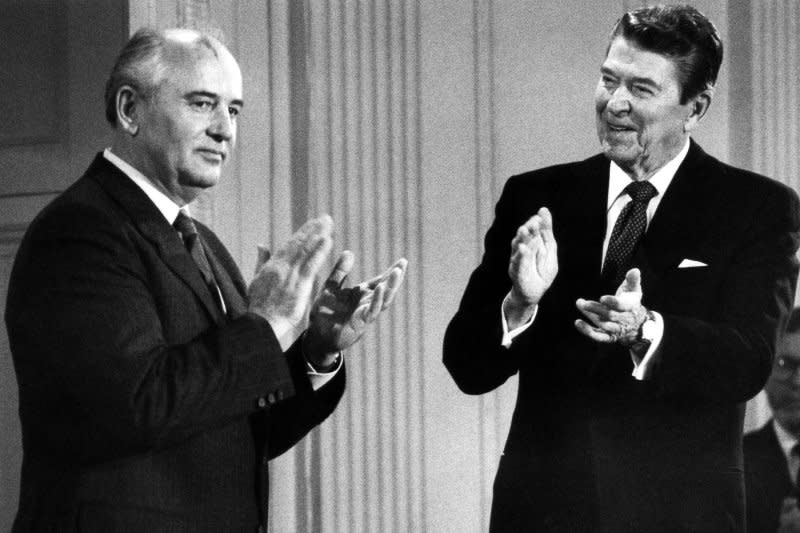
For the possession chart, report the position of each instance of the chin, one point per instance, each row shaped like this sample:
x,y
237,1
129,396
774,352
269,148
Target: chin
x,y
201,181
622,156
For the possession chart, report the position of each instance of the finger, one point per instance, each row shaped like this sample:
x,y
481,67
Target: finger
x,y
318,251
341,269
529,229
393,284
376,305
316,227
546,228
370,284
594,333
305,239
592,307
262,256
524,233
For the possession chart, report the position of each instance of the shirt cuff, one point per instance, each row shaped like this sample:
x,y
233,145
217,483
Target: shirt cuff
x,y
509,336
640,365
284,331
318,379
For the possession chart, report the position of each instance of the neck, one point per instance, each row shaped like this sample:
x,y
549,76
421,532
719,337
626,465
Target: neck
x,y
644,168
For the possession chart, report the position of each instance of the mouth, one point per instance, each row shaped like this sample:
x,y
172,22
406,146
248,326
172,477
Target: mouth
x,y
619,128
213,155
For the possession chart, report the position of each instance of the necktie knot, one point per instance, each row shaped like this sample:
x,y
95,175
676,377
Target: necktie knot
x,y
641,191
185,226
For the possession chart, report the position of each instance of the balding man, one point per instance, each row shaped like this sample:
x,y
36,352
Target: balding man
x,y
154,384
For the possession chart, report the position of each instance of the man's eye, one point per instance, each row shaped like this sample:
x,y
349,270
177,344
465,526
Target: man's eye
x,y
203,105
233,111
642,90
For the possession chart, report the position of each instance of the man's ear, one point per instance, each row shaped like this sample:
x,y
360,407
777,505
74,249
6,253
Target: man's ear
x,y
128,102
698,107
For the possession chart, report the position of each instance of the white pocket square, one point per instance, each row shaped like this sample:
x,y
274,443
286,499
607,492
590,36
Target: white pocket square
x,y
691,263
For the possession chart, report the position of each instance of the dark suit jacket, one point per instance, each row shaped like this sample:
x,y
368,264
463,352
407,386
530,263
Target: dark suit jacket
x,y
143,408
590,448
767,480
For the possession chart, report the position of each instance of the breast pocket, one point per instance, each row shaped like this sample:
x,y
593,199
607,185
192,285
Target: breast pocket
x,y
691,291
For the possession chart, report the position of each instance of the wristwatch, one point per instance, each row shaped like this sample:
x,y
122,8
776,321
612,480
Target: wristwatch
x,y
646,334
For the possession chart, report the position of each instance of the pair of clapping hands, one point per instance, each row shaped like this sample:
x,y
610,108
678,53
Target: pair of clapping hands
x,y
285,292
533,267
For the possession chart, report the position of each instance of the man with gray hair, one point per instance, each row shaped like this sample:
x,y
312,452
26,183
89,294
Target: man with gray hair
x,y
154,384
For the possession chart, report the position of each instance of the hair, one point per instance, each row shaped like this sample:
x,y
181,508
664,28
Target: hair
x,y
142,62
683,34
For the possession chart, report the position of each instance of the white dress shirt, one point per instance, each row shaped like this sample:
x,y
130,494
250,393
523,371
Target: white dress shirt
x,y
787,442
617,200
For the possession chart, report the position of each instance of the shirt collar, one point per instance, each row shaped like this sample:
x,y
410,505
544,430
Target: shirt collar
x,y
785,439
165,205
618,179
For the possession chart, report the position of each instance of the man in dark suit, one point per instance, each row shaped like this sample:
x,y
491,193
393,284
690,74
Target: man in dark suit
x,y
772,453
154,384
639,295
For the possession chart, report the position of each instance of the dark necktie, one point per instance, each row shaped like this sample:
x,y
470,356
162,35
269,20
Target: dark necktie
x,y
194,244
628,231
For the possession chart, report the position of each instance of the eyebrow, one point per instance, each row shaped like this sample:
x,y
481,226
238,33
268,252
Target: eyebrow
x,y
213,96
646,81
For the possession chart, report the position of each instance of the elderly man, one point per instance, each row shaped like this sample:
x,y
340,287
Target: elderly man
x,y
772,454
639,295
154,385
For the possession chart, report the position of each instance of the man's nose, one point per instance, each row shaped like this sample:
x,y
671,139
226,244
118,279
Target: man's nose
x,y
619,100
222,127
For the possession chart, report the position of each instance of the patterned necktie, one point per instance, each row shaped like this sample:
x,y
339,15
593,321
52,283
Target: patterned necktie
x,y
628,231
191,239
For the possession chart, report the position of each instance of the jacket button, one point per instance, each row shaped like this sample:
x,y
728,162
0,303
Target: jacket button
x,y
262,403
271,398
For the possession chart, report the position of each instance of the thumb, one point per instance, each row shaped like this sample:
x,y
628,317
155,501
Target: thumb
x,y
342,268
632,282
263,256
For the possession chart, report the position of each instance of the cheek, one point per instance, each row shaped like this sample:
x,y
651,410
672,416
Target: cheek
x,y
600,97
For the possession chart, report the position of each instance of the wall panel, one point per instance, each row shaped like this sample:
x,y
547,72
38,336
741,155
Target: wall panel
x,y
363,169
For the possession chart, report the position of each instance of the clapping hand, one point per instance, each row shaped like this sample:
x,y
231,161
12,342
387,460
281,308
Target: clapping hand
x,y
615,319
340,315
283,288
532,268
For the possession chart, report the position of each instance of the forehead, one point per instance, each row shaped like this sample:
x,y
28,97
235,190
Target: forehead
x,y
626,58
198,68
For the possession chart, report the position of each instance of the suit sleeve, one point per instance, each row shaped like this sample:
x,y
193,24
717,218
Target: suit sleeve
x,y
473,353
88,336
727,354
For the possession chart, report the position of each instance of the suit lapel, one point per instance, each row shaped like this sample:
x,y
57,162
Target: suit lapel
x,y
679,221
154,227
226,273
581,225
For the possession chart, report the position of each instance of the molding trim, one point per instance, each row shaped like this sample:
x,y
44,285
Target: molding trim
x,y
775,107
363,167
